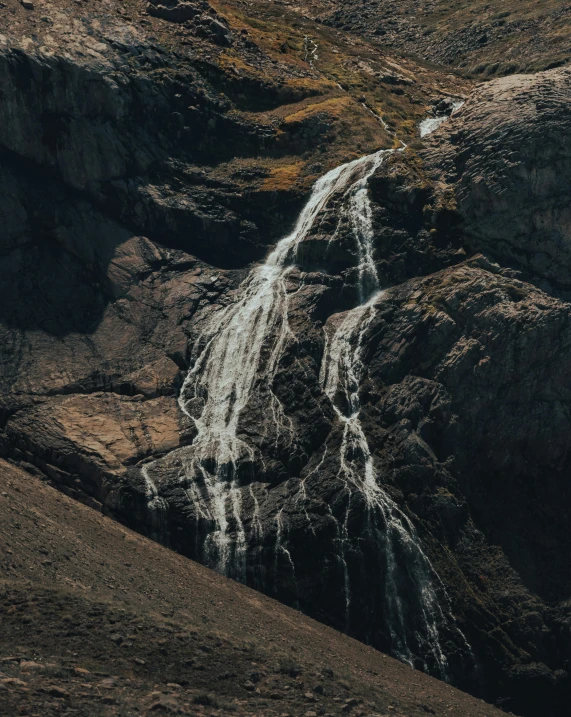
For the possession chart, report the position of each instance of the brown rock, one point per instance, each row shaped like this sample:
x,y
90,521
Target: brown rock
x,y
30,666
12,682
174,10
58,692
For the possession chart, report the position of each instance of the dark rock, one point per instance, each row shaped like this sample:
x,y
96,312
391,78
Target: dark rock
x,y
507,173
175,10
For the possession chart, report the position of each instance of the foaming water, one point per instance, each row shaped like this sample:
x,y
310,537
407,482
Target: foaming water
x,y
243,345
156,505
430,124
310,48
237,361
341,376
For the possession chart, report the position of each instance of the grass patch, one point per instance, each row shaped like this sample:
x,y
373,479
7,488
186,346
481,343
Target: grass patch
x,y
282,177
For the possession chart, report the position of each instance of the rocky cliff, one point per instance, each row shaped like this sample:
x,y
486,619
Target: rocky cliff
x,y
370,423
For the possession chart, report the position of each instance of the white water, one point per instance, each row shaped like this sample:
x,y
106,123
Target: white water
x,y
242,348
155,504
243,345
341,375
377,116
310,48
430,124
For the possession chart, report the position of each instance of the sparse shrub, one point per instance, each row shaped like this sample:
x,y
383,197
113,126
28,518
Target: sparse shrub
x,y
205,700
227,707
289,667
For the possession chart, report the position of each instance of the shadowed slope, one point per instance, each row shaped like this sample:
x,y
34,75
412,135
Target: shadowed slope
x,y
98,620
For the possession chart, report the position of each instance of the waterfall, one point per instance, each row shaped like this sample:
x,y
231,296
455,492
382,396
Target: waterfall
x,y
237,359
341,375
156,506
243,345
310,48
430,124
342,371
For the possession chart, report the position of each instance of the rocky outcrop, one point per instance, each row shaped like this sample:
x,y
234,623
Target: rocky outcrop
x,y
137,125
463,402
109,120
506,160
205,20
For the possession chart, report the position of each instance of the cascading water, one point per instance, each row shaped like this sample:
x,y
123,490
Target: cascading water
x,y
237,360
243,345
342,371
430,124
341,376
156,505
310,48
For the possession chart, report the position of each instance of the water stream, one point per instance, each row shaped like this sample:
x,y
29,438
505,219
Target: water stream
x,y
341,376
238,359
243,345
430,124
310,48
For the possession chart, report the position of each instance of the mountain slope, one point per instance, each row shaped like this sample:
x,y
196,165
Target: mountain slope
x,y
97,620
487,38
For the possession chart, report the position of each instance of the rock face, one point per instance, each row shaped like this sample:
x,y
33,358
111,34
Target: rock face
x,y
372,422
507,160
114,118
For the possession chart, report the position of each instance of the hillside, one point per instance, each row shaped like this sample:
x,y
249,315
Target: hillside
x,y
482,38
97,620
